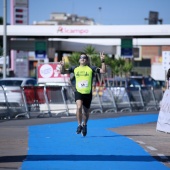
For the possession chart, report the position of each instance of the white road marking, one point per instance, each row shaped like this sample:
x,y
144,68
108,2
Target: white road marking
x,y
162,156
140,142
151,148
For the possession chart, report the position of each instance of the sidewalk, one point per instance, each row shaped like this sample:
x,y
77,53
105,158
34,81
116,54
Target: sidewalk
x,y
51,144
154,142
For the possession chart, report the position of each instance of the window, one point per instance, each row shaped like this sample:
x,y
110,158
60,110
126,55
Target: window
x,y
11,82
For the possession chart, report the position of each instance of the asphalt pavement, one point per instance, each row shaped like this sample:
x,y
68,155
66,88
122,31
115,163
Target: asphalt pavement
x,y
51,143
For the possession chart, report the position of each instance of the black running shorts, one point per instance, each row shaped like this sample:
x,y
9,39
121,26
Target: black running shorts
x,y
86,98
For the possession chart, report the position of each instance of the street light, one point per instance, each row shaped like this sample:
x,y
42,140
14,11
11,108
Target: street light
x,y
4,38
100,15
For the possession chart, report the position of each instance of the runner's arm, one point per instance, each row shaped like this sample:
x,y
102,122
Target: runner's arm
x,y
62,68
103,65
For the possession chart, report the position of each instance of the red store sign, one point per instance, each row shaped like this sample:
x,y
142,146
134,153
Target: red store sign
x,y
74,30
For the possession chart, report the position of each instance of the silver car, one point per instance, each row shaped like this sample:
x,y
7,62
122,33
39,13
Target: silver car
x,y
11,95
16,81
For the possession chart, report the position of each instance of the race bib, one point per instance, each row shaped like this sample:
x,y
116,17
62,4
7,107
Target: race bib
x,y
83,84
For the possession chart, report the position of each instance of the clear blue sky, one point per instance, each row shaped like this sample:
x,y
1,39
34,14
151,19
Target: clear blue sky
x,y
113,12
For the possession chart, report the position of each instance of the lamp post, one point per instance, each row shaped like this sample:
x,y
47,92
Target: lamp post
x,y
100,15
4,37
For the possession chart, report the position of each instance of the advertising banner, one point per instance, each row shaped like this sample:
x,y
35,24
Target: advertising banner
x,y
50,73
166,60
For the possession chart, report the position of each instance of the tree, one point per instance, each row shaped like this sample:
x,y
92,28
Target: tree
x,y
89,49
119,67
74,59
127,67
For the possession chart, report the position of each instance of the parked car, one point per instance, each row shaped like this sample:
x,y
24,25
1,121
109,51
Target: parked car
x,y
11,93
146,81
162,84
16,81
122,82
118,86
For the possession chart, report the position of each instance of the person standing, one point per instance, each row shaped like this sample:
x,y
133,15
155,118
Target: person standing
x,y
83,88
168,79
163,122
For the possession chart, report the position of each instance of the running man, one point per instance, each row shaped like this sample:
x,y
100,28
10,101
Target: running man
x,y
83,88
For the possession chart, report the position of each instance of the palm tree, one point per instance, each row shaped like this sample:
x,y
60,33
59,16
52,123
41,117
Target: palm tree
x,y
127,67
89,49
74,59
95,60
91,52
117,66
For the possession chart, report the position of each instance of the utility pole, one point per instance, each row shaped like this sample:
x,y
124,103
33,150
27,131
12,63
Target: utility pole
x,y
4,37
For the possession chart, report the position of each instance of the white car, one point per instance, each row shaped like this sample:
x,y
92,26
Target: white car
x,y
16,81
10,90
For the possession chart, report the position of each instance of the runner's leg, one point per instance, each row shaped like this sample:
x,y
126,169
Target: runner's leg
x,y
79,111
85,115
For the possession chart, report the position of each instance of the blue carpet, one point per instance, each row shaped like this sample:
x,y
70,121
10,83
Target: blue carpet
x,y
57,147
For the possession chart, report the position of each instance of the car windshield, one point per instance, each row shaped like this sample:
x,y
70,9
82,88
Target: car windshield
x,y
139,80
11,82
146,81
133,82
150,82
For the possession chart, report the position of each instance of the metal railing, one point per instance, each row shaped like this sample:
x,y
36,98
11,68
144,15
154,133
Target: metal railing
x,y
48,101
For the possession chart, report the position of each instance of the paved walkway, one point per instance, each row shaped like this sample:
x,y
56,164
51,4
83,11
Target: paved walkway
x,y
53,145
154,142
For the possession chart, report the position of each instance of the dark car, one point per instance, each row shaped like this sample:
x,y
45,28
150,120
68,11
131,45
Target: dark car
x,y
122,82
146,81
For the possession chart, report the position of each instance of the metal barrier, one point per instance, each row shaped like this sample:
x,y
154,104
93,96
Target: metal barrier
x,y
107,100
12,102
46,100
121,99
110,99
31,98
68,95
57,96
96,106
4,108
35,97
30,101
158,94
149,98
135,98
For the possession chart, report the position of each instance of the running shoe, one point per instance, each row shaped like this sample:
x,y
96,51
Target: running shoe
x,y
79,129
84,130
